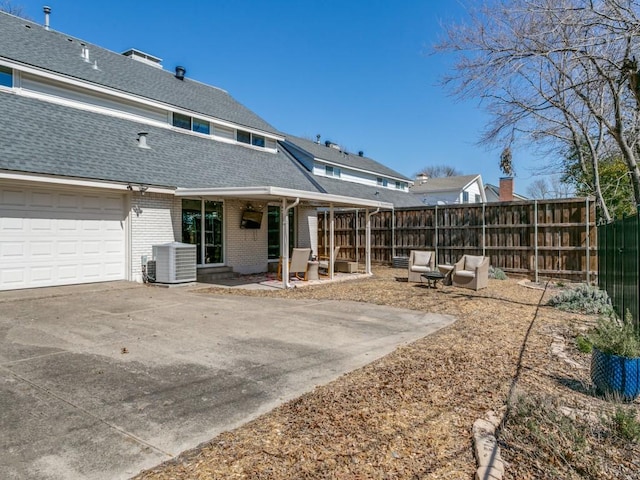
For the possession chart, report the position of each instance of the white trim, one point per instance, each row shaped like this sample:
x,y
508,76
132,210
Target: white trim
x,y
356,169
80,182
278,193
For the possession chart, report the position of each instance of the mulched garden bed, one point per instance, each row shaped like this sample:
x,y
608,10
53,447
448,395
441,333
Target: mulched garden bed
x,y
409,414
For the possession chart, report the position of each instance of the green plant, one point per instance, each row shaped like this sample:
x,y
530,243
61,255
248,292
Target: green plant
x,y
583,343
616,337
583,299
625,424
497,273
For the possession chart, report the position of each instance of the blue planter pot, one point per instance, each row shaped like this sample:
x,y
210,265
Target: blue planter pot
x,y
615,374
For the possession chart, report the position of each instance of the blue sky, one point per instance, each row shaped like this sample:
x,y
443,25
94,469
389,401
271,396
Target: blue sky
x,y
357,72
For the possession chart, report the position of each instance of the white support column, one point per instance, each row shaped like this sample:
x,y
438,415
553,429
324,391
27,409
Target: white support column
x,y
284,239
367,249
332,241
369,215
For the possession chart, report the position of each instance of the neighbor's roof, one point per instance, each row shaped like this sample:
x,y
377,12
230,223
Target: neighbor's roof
x,y
444,184
346,159
496,191
28,43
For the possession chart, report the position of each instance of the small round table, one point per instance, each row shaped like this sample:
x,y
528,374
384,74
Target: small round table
x,y
312,270
432,278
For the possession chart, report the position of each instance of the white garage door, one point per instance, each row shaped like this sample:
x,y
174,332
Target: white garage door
x,y
60,237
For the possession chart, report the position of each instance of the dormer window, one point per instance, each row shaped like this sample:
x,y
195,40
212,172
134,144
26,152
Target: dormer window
x,y
194,124
330,171
382,182
6,77
250,138
201,126
182,121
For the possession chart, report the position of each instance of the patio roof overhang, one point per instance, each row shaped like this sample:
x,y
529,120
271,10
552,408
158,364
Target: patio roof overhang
x,y
278,194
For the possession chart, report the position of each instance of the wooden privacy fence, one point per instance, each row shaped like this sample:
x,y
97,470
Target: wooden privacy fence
x,y
553,238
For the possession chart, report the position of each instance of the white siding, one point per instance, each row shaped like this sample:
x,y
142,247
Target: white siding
x,y
155,219
68,92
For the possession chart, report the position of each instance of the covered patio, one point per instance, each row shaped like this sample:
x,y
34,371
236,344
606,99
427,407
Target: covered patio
x,y
289,199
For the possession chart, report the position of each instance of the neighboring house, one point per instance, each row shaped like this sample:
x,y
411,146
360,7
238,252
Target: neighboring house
x,y
503,193
103,155
449,190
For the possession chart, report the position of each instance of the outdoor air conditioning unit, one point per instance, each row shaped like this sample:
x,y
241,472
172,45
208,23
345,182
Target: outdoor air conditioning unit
x,y
175,262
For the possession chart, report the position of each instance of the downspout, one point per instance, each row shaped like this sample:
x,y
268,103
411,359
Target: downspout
x,y
368,252
284,239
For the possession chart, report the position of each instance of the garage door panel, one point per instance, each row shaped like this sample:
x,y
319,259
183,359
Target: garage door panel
x,y
57,237
42,251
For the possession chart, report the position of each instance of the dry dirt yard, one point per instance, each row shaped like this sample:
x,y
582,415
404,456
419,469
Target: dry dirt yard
x,y
409,415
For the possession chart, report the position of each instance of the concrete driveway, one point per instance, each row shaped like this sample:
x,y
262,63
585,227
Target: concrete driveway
x,y
101,381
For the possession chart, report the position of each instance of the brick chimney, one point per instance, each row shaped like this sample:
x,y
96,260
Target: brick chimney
x,y
506,189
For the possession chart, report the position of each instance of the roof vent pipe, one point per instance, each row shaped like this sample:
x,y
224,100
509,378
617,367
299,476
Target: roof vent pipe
x,y
142,140
318,139
180,72
47,12
361,153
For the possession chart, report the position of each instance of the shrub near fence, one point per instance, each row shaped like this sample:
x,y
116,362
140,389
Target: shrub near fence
x,y
619,264
553,238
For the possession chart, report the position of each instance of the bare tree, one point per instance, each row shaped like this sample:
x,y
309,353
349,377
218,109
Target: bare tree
x,y
558,72
9,7
549,187
437,171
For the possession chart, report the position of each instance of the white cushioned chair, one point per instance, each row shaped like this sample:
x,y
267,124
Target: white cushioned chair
x,y
471,271
420,261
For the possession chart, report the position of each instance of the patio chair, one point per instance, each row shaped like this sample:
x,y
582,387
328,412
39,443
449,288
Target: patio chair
x,y
323,262
298,264
420,261
471,271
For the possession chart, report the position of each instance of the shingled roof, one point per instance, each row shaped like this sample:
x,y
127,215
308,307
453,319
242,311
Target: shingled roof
x,y
444,184
341,157
46,138
30,44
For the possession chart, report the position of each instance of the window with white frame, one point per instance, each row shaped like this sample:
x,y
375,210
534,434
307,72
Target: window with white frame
x,y
331,171
382,182
250,138
191,123
465,197
6,77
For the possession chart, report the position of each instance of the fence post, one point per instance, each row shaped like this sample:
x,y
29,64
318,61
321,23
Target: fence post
x,y
587,240
436,230
393,233
484,232
535,238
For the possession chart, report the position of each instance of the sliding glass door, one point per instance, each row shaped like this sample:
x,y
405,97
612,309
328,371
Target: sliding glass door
x,y
208,237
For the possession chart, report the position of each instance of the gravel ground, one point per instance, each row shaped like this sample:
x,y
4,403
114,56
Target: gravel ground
x,y
409,414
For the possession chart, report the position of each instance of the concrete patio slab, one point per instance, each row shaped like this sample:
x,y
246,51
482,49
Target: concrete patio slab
x,y
102,381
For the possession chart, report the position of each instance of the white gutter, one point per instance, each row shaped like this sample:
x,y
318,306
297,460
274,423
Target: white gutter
x,y
284,239
281,193
83,183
